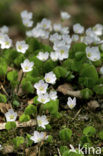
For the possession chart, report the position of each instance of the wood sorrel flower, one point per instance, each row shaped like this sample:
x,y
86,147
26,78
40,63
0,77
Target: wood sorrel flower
x,y
50,77
21,46
27,66
71,102
11,115
41,87
42,121
38,136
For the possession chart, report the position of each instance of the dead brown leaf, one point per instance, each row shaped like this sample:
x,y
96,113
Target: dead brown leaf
x,y
93,105
4,107
67,89
29,123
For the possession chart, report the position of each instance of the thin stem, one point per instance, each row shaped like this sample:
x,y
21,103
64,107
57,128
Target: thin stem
x,y
20,81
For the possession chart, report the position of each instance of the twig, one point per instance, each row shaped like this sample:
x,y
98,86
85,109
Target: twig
x,y
22,74
77,114
2,87
18,124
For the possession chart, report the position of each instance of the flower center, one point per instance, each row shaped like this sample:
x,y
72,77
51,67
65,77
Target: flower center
x,y
42,100
11,117
48,79
62,51
26,68
41,88
89,54
20,47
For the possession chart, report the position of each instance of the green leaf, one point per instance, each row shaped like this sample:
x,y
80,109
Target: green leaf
x,y
60,72
30,109
98,89
16,103
18,141
27,86
29,141
49,65
3,98
86,93
52,107
12,76
89,131
101,135
88,75
3,67
77,47
24,118
35,100
10,125
65,134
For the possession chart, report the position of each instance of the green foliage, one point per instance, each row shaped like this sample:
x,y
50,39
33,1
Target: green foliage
x,y
10,125
16,103
27,86
49,65
65,134
52,107
28,140
101,135
89,131
3,67
49,139
98,89
3,98
77,47
88,75
30,110
12,76
35,100
18,141
86,93
24,118
60,72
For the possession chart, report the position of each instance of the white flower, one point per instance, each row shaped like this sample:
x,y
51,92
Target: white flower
x,y
26,15
63,52
6,42
27,22
53,95
67,39
77,28
93,53
65,15
50,77
54,56
57,27
101,70
43,98
39,32
55,37
45,24
75,37
71,102
21,46
42,121
43,56
27,66
4,29
64,30
29,33
11,115
98,29
38,136
41,87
